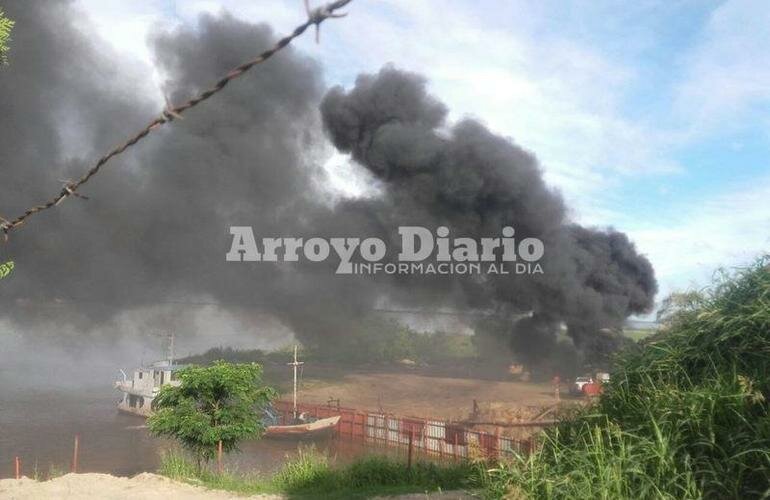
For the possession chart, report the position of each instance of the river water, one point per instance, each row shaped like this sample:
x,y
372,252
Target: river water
x,y
39,427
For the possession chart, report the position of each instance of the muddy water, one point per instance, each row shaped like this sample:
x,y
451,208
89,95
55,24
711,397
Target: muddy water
x,y
40,426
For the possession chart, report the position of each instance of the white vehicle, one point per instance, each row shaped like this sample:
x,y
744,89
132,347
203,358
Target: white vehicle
x,y
577,387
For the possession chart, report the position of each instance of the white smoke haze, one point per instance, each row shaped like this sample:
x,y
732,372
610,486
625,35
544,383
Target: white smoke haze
x,y
105,275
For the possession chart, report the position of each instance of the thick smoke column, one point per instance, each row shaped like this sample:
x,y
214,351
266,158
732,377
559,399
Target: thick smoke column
x,y
475,182
156,227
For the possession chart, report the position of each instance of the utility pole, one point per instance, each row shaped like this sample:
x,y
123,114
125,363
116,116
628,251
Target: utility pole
x,y
295,364
171,349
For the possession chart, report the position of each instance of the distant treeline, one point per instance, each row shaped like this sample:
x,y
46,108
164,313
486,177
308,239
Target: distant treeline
x,y
378,341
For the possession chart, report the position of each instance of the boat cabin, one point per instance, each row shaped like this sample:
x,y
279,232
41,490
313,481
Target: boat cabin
x,y
139,390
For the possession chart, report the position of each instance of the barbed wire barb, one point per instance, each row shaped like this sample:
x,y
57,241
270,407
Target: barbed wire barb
x,y
319,15
5,226
170,113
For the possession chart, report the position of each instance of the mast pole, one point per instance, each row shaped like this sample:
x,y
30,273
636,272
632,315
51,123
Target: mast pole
x,y
295,364
295,381
171,350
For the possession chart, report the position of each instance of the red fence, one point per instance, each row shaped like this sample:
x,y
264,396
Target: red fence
x,y
428,436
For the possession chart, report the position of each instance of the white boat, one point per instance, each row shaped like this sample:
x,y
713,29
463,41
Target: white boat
x,y
140,390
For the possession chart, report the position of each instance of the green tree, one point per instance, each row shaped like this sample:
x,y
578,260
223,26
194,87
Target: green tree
x,y
678,306
6,25
221,402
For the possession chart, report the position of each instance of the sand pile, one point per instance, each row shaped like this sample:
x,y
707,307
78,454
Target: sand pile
x,y
106,487
143,487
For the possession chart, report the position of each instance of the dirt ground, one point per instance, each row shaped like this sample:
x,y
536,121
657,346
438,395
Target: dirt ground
x,y
106,487
409,394
141,487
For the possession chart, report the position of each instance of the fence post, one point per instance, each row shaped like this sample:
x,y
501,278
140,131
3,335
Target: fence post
x,y
219,456
18,468
411,444
75,452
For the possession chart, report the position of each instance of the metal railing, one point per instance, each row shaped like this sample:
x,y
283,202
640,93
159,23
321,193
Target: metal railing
x,y
434,437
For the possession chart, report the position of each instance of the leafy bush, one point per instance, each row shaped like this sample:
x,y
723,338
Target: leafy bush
x,y
6,25
218,403
684,417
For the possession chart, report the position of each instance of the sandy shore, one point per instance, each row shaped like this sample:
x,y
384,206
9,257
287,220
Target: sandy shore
x,y
142,487
106,487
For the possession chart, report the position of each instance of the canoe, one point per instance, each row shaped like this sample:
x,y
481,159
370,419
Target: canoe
x,y
320,428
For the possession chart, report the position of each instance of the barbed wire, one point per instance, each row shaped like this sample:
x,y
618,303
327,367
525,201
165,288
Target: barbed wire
x,y
314,18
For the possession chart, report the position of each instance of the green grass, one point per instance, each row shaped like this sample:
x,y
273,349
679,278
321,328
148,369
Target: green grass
x,y
54,471
314,475
684,417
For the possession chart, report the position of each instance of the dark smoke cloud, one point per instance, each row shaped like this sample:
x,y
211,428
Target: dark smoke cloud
x,y
156,227
476,182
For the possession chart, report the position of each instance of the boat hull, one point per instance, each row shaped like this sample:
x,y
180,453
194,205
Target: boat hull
x,y
313,430
137,412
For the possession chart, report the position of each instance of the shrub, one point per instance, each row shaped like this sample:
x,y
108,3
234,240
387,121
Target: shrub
x,y
684,417
218,403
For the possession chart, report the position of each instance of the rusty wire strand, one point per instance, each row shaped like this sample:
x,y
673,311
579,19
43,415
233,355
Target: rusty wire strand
x,y
170,113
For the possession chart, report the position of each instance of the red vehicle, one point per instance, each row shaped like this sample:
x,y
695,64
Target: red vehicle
x,y
592,389
580,382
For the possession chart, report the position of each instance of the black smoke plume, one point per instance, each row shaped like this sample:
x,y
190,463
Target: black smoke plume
x,y
467,178
156,227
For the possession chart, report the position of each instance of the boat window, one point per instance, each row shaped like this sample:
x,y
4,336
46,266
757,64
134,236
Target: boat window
x,y
140,375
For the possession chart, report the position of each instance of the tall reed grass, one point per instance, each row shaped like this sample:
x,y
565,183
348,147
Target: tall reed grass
x,y
685,417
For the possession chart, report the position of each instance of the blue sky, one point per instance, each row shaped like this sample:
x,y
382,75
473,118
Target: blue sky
x,y
649,116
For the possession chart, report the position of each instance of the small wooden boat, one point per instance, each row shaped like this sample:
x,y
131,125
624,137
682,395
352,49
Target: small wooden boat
x,y
312,430
302,428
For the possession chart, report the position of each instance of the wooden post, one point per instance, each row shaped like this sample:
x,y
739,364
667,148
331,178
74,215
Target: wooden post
x,y
411,445
497,441
219,456
75,452
556,384
18,468
442,444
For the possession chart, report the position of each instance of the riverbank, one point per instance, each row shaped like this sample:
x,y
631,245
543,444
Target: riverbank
x,y
313,474
148,486
106,487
